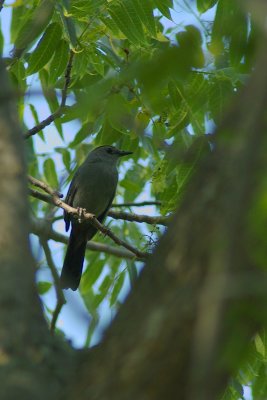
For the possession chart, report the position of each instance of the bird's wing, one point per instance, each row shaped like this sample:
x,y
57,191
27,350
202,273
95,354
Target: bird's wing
x,y
92,230
69,200
102,216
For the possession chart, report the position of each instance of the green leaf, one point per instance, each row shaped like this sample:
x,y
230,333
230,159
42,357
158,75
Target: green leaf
x,y
92,326
163,6
68,23
259,387
127,20
108,133
65,156
118,112
45,48
260,347
190,42
105,285
82,134
175,94
92,272
59,62
33,25
36,120
80,64
43,287
51,98
204,5
221,90
117,288
132,183
20,14
50,173
144,10
84,9
238,38
19,74
92,301
96,61
132,271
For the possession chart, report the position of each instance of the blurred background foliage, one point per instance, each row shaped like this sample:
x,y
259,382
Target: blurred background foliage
x,y
146,81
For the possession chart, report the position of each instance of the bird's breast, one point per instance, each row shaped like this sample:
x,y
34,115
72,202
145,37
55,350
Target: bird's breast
x,y
96,188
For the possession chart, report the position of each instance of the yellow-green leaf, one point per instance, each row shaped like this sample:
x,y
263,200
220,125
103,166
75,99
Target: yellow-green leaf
x,y
50,173
33,26
45,48
127,20
59,61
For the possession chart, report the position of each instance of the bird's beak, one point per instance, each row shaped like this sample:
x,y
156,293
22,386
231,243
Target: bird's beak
x,y
124,153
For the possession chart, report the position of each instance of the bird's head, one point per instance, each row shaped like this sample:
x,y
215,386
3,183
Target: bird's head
x,y
108,153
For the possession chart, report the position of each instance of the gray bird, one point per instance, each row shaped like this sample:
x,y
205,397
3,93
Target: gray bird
x,y
93,187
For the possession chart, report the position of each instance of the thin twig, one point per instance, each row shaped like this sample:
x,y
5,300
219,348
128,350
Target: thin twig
x,y
59,112
141,204
44,186
153,220
67,80
86,216
40,227
59,292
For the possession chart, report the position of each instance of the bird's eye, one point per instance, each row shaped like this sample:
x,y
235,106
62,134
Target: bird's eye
x,y
109,151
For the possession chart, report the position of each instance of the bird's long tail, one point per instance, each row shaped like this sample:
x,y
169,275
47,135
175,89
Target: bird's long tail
x,y
73,264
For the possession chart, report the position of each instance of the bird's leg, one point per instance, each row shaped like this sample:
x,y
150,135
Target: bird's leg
x,y
81,211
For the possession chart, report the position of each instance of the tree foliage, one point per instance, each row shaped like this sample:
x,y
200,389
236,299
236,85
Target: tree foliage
x,y
130,73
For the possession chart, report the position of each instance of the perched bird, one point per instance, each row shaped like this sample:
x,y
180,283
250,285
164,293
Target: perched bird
x,y
93,188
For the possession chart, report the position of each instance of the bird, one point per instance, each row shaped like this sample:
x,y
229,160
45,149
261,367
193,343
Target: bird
x,y
92,188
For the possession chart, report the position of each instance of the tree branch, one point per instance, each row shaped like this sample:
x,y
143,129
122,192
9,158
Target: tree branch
x,y
141,204
58,113
23,334
59,292
45,187
155,220
40,227
86,216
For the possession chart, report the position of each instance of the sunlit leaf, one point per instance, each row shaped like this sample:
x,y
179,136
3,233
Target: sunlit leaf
x,y
50,173
45,48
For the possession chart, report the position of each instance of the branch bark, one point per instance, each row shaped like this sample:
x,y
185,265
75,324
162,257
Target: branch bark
x,y
25,343
141,204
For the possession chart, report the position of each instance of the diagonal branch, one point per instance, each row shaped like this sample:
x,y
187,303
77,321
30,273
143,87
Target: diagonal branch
x,y
58,113
86,216
45,187
40,227
59,292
